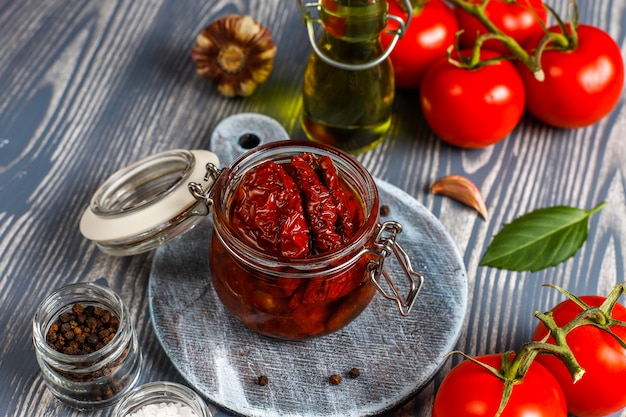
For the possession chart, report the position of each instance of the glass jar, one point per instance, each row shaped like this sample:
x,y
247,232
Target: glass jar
x,y
161,396
91,380
348,84
291,298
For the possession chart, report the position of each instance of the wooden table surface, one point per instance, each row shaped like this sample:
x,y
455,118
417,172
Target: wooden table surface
x,y
88,87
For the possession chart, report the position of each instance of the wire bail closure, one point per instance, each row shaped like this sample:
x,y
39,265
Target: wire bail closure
x,y
196,190
385,245
398,33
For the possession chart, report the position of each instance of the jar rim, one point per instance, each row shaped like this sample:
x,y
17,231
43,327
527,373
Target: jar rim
x,y
140,394
111,197
346,165
44,318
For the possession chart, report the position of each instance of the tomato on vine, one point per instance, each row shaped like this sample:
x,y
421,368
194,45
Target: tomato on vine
x,y
430,32
522,20
471,390
472,108
600,390
584,76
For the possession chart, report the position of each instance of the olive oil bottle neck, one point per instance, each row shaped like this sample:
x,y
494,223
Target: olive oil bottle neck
x,y
353,20
350,51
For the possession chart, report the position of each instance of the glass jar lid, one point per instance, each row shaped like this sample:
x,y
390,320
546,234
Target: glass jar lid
x,y
148,202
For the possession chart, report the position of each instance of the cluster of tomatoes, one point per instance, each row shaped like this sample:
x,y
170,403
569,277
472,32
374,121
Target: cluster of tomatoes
x,y
479,106
547,389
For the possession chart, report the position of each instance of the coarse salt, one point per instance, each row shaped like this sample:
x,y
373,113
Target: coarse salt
x,y
163,409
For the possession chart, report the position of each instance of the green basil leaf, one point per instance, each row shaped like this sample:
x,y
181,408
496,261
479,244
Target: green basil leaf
x,y
540,239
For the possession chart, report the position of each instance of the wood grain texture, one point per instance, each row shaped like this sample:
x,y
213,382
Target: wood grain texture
x,y
87,87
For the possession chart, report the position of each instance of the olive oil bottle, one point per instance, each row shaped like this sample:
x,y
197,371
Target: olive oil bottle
x,y
348,86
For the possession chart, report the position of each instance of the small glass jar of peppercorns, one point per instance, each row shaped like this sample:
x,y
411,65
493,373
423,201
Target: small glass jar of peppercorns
x,y
86,345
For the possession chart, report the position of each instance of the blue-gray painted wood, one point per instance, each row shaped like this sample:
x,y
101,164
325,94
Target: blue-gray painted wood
x,y
87,87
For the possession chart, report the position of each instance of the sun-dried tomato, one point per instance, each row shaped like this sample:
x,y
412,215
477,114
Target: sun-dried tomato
x,y
299,209
319,206
269,212
341,199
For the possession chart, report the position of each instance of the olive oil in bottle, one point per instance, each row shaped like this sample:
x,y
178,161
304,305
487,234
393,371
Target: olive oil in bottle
x,y
347,101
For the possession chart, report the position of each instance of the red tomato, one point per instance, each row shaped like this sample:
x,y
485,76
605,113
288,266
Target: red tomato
x,y
600,391
522,20
469,390
581,86
428,36
472,108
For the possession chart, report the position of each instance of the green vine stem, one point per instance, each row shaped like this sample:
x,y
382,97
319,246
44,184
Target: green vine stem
x,y
515,365
567,40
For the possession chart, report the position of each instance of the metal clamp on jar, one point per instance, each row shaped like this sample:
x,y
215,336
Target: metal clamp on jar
x,y
275,295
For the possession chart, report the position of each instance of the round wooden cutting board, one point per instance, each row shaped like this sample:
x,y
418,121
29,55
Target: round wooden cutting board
x,y
396,355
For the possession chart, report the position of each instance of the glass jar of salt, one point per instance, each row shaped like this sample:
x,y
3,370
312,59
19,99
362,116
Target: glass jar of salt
x,y
162,399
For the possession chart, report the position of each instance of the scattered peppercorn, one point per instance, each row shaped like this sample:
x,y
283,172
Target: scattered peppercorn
x,y
354,373
335,379
384,210
82,330
263,380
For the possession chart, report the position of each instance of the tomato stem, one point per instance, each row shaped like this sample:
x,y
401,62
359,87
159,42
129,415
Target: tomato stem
x,y
478,11
567,40
600,317
560,348
515,364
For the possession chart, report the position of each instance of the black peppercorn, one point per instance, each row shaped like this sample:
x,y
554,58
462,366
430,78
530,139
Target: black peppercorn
x,y
92,340
335,379
78,309
91,322
87,328
354,373
105,317
263,380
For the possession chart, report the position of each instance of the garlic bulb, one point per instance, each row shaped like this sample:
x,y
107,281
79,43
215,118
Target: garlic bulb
x,y
236,53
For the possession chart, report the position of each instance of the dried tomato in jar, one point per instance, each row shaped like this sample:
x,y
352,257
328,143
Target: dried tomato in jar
x,y
294,223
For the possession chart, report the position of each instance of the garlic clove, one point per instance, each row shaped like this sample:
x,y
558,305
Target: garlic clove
x,y
461,189
236,53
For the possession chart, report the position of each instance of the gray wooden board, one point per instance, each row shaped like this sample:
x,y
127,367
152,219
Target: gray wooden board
x,y
396,355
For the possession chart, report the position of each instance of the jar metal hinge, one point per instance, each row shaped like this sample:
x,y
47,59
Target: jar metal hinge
x,y
385,245
212,173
